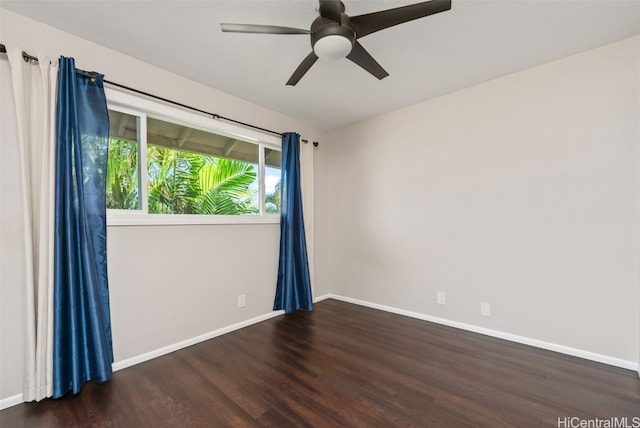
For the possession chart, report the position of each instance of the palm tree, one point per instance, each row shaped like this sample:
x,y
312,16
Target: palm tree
x,y
179,182
225,185
173,178
193,183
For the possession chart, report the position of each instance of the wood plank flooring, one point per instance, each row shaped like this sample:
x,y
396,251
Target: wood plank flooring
x,y
347,365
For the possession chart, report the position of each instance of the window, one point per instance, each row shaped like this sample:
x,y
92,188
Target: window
x,y
123,165
169,166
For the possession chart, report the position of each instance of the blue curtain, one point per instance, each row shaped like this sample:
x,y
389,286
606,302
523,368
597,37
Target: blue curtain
x,y
293,289
82,348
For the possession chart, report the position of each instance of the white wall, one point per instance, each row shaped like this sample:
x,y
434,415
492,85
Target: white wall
x,y
521,192
167,283
11,256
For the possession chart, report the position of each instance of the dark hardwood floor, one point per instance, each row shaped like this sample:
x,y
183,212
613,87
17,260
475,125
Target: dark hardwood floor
x,y
347,365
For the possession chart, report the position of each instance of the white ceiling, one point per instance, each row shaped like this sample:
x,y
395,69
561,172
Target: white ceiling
x,y
477,40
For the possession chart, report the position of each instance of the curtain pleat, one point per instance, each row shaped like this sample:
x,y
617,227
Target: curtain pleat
x,y
82,325
308,192
293,287
34,93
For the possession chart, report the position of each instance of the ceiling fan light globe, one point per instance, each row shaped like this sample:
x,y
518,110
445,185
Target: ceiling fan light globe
x,y
332,47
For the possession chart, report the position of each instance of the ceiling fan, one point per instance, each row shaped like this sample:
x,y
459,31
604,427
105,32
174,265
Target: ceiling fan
x,y
334,34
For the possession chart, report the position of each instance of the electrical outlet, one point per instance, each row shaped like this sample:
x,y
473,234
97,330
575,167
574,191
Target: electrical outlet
x,y
441,297
241,301
485,309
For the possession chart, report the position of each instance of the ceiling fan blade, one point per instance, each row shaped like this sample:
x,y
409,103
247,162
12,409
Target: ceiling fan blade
x,y
361,57
302,69
331,9
376,21
261,29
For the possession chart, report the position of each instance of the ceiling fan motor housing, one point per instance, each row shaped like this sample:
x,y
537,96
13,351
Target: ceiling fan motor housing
x,y
323,27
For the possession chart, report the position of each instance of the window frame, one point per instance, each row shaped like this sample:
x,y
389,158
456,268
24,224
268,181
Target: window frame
x,y
145,108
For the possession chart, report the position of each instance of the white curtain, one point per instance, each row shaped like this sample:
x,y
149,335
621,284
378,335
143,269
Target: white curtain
x,y
34,91
307,184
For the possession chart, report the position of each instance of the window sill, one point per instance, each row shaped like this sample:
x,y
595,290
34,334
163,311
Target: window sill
x,y
139,219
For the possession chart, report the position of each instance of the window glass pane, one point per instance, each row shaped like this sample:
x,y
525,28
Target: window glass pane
x,y
174,136
272,168
123,178
196,172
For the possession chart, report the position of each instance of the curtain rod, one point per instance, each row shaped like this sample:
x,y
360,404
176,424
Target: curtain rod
x,y
28,57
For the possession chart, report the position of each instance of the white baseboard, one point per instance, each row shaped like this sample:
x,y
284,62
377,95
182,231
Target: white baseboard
x,y
5,403
323,297
612,361
119,365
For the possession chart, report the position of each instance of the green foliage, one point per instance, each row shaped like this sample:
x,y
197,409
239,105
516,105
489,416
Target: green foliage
x,y
173,180
122,175
180,182
192,183
226,189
